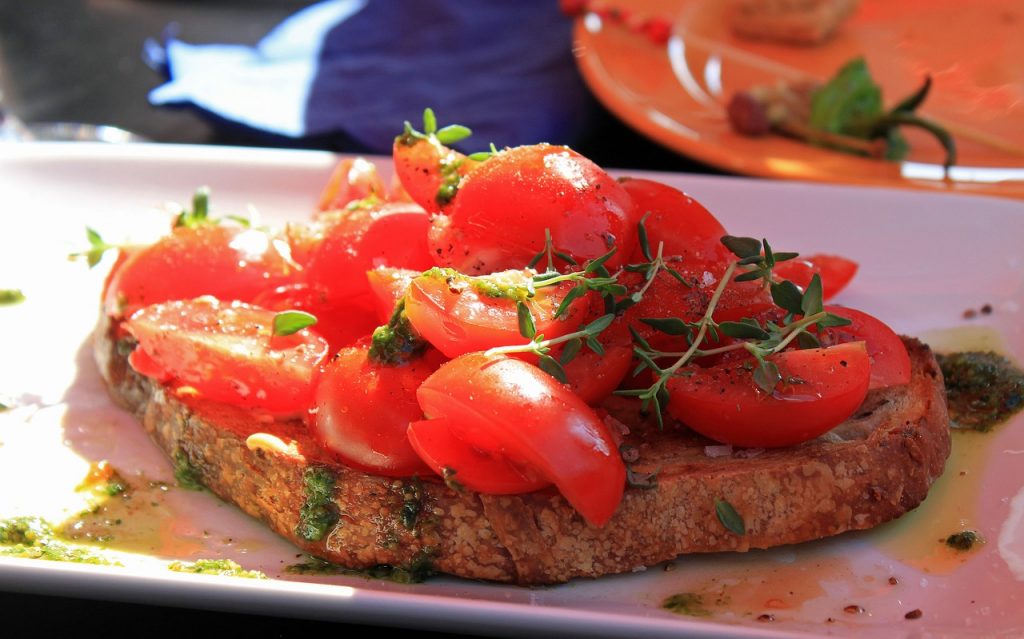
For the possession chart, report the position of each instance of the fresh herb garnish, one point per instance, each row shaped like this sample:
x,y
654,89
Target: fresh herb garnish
x,y
97,248
541,347
11,296
319,512
729,518
291,322
397,341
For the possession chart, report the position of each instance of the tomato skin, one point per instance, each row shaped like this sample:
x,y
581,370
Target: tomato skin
x,y
890,362
835,272
228,262
362,410
505,406
723,402
457,318
452,458
499,215
353,179
227,352
354,242
421,166
674,218
388,285
340,321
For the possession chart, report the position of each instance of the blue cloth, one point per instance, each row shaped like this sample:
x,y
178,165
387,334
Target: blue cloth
x,y
359,68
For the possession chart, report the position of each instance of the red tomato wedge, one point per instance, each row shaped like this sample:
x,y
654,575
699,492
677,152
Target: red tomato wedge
x,y
362,410
353,179
340,321
498,218
463,465
227,352
821,388
835,271
890,362
459,314
424,165
676,219
388,285
228,262
505,406
356,241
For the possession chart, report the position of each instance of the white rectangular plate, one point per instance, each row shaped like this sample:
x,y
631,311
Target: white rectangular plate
x,y
924,260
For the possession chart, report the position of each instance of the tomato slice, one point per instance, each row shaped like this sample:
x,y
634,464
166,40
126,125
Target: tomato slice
x,y
227,352
821,388
890,362
507,407
388,285
835,272
466,466
460,314
356,241
353,179
362,410
676,219
340,321
498,218
228,262
424,165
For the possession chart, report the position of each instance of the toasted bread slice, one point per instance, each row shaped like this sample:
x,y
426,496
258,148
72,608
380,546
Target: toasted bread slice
x,y
871,469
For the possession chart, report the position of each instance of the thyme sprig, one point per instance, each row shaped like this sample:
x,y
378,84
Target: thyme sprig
x,y
803,311
541,347
447,135
97,248
656,262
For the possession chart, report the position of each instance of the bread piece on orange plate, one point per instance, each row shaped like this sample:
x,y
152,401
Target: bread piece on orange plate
x,y
869,470
806,22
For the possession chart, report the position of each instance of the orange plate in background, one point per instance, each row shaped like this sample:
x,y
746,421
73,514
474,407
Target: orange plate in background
x,y
675,92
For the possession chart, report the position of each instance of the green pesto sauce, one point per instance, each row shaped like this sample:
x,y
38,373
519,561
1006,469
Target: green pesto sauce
x,y
185,473
33,538
397,341
686,603
963,540
417,570
450,181
983,389
222,567
494,285
319,513
412,504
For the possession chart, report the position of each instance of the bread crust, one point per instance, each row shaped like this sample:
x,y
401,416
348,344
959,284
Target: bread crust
x,y
873,468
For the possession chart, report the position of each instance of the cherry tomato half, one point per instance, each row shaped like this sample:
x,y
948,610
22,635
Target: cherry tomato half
x,y
820,388
227,352
459,314
890,362
424,165
674,218
499,215
340,321
507,407
835,271
466,466
228,262
362,410
356,241
353,179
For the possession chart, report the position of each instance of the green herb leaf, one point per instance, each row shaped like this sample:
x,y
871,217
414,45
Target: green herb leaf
x,y
787,296
910,103
570,350
729,518
849,103
11,296
429,121
453,133
526,326
831,320
811,302
291,322
744,329
574,294
641,235
667,325
767,376
742,246
599,324
596,346
551,366
807,340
